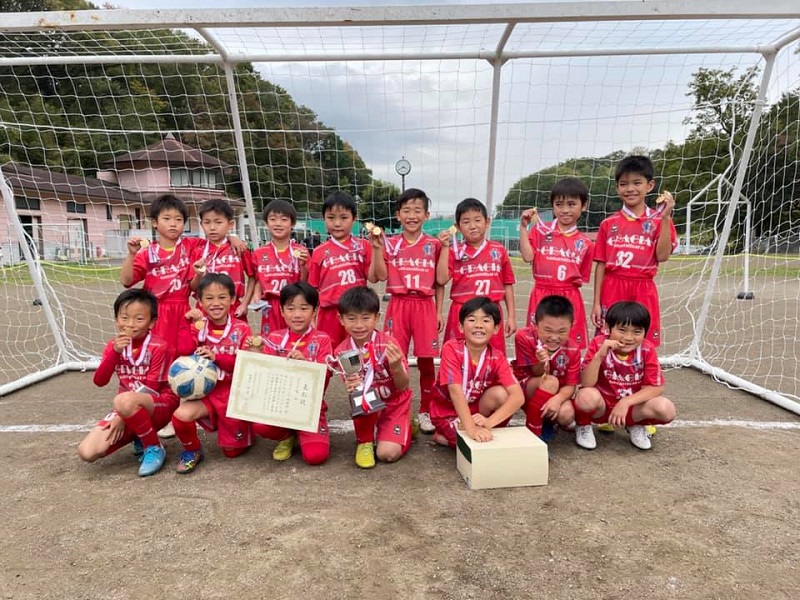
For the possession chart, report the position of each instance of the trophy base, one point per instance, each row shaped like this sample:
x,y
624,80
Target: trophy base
x,y
365,404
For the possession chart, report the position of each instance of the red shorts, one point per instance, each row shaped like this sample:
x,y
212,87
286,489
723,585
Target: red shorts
x,y
393,423
328,322
451,330
306,439
271,318
413,318
445,418
231,433
610,403
578,333
171,320
644,291
164,405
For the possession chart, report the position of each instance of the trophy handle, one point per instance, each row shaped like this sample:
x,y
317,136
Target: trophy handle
x,y
332,365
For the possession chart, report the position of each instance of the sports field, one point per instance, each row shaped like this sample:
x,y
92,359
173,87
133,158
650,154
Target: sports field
x,y
711,512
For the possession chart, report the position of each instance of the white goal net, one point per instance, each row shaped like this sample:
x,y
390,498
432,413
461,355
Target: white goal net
x,y
102,111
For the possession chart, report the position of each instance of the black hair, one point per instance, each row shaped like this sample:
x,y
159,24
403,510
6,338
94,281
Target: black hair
x,y
359,299
342,200
216,205
300,288
489,308
636,164
222,279
133,295
413,194
570,187
166,202
554,306
628,313
280,207
470,204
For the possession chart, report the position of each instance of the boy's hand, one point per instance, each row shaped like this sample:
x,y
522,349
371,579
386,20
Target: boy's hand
x,y
609,344
444,238
194,315
551,408
480,434
301,253
479,419
618,414
295,354
205,352
510,327
254,343
240,311
351,382
528,216
597,316
394,355
440,322
199,267
376,241
239,247
543,355
122,340
115,428
134,245
668,201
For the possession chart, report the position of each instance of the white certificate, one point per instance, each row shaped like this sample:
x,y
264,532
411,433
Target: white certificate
x,y
277,391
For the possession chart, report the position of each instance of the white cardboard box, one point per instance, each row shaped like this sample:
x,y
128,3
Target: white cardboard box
x,y
515,457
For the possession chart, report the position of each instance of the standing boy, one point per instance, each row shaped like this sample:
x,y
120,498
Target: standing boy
x,y
477,390
299,341
144,403
408,262
384,373
622,381
217,255
279,262
548,365
631,243
561,256
478,267
341,263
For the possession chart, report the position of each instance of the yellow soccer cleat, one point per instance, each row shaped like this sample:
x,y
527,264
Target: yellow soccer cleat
x,y
365,456
605,428
650,430
283,451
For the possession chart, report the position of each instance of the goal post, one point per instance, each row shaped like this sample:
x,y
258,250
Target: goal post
x,y
102,110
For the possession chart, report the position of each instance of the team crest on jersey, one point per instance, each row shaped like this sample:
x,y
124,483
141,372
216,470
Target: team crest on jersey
x,y
647,226
614,228
354,244
312,349
428,249
495,254
579,244
234,337
389,324
561,361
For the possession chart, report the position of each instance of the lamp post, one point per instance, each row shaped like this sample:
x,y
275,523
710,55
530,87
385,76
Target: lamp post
x,y
403,168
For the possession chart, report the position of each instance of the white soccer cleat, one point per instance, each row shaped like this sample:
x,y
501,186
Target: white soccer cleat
x,y
584,437
639,437
425,424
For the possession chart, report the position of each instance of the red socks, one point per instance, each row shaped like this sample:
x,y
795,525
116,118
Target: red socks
x,y
365,428
186,432
141,424
427,380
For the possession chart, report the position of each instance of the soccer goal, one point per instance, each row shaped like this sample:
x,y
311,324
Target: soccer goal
x,y
103,110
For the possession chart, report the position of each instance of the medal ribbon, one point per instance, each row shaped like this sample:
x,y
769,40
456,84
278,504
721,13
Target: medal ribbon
x,y
127,353
462,254
552,227
211,263
649,213
354,245
152,252
297,343
468,386
205,333
394,250
369,376
293,265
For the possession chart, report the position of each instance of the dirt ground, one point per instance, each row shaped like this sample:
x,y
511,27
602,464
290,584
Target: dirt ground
x,y
710,512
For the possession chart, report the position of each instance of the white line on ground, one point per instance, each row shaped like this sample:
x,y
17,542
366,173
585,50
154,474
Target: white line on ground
x,y
345,426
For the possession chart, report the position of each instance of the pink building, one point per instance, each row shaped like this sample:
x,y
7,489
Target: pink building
x,y
75,218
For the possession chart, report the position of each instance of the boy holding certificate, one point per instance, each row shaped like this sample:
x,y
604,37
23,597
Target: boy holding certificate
x,y
300,341
382,380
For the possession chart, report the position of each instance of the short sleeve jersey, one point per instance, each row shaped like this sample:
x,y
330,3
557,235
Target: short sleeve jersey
x,y
166,273
495,370
560,258
314,345
374,354
411,267
335,267
147,364
482,271
565,363
224,342
621,377
627,246
274,270
223,259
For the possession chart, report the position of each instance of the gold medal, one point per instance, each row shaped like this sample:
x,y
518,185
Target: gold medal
x,y
144,243
199,324
453,229
255,341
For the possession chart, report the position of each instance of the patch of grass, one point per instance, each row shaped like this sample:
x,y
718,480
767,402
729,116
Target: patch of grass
x,y
61,273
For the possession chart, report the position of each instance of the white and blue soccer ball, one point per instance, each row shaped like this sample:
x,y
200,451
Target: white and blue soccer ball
x,y
192,377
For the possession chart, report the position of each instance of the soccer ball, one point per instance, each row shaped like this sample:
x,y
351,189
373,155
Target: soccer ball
x,y
192,377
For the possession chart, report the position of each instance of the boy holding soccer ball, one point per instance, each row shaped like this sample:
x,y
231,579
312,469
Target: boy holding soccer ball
x,y
144,403
217,336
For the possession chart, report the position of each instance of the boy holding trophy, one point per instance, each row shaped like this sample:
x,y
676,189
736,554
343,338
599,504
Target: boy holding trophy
x,y
376,377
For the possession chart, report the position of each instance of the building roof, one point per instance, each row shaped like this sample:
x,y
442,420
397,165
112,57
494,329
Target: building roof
x,y
46,184
169,152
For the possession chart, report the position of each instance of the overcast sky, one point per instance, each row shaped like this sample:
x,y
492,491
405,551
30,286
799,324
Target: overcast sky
x,y
436,113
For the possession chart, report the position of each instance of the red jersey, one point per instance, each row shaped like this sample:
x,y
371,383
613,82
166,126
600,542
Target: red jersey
x,y
627,245
166,273
491,369
314,345
619,377
145,362
273,269
335,267
223,259
375,361
224,341
482,271
565,363
560,257
411,266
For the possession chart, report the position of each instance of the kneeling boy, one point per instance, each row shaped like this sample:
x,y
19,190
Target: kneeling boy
x,y
476,389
